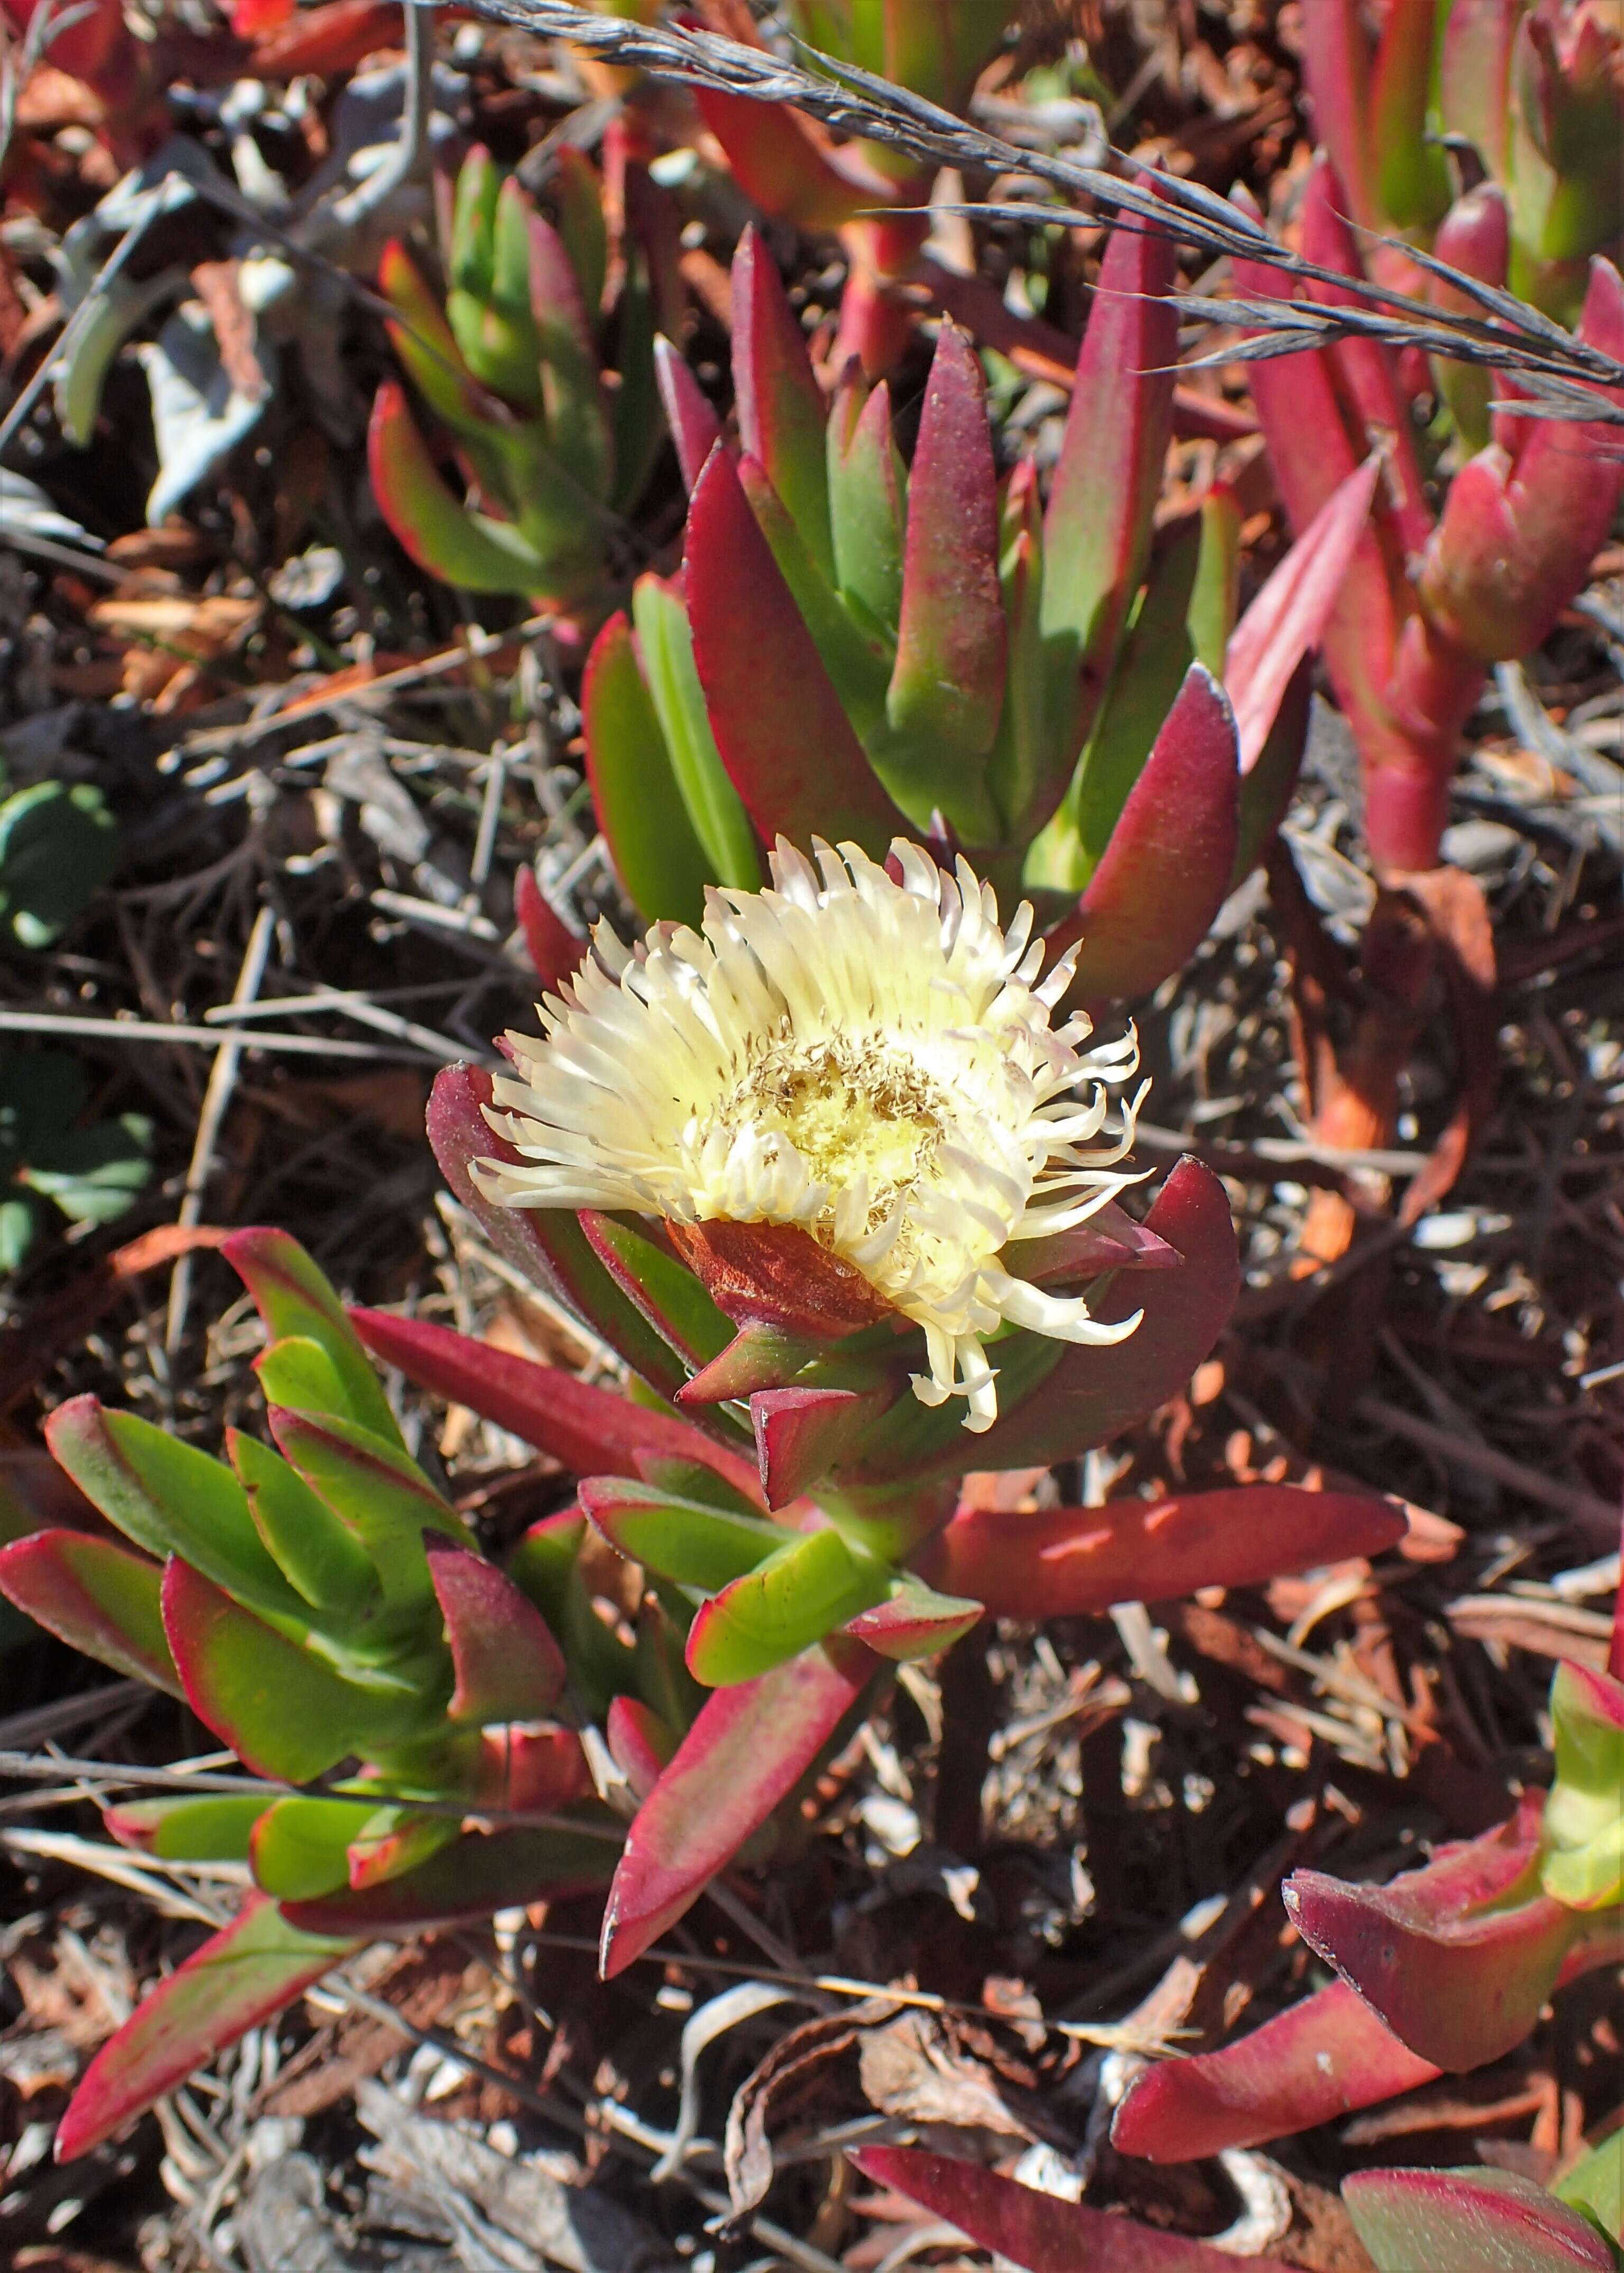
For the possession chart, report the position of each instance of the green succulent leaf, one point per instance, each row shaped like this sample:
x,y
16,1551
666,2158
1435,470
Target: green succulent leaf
x,y
643,813
812,1585
296,1298
170,1498
215,1827
317,1554
301,1846
1582,1864
683,1540
713,806
383,1498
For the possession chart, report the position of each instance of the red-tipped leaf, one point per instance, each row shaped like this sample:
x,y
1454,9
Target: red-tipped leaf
x,y
1166,870
240,1976
555,952
469,1880
434,527
780,404
1471,2221
749,1748
1072,1562
947,685
283,1710
801,1434
914,1621
693,424
1289,615
1319,2061
641,1744
783,734
97,1597
1458,1993
507,1664
590,1431
1096,530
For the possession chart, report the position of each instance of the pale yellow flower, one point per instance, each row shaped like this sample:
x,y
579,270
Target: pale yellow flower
x,y
870,1060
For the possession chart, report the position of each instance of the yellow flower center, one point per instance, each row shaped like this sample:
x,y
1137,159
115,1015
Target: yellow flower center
x,y
849,1108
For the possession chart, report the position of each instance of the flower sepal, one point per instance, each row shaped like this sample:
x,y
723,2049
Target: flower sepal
x,y
776,1275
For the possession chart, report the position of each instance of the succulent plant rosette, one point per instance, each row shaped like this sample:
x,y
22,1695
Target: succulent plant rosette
x,y
856,649
842,1185
554,444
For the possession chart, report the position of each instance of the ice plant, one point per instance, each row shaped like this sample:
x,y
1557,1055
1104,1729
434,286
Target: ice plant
x,y
1429,602
1533,87
509,361
789,1508
857,650
867,1057
325,1612
1440,1971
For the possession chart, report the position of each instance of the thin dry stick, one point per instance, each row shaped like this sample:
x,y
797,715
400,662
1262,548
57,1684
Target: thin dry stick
x,y
203,1037
1581,1507
216,1104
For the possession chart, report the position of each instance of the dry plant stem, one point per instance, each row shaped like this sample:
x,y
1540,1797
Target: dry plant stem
x,y
216,1103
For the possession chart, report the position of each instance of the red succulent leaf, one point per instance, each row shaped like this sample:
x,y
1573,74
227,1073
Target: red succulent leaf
x,y
1108,1241
1039,2232
802,1433
506,1663
1332,2053
759,1356
947,685
555,952
780,405
785,166
914,1621
589,1431
787,745
749,1748
1367,368
1166,871
541,1768
641,1744
1096,530
1074,1561
240,1976
1289,615
1520,529
1336,61
1319,2061
1457,1993
694,426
